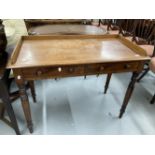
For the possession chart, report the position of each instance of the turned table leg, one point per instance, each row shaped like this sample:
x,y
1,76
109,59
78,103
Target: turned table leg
x,y
32,88
107,83
25,102
4,95
128,93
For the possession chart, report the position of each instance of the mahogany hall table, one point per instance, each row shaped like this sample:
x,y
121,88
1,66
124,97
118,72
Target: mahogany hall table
x,y
44,57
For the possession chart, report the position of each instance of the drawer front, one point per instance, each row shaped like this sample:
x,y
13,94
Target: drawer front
x,y
53,72
78,70
111,68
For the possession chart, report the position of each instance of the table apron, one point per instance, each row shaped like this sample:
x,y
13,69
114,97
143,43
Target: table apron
x,y
36,73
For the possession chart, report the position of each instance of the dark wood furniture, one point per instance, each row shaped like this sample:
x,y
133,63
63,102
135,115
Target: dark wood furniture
x,y
144,36
43,57
3,40
5,95
4,84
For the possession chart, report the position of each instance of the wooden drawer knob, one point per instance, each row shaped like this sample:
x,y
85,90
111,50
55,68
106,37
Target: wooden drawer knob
x,y
102,68
39,72
59,69
126,66
71,69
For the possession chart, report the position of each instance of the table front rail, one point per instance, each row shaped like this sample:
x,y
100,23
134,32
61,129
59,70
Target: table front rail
x,y
37,73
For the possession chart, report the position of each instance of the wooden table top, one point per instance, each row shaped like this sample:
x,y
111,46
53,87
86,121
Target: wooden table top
x,y
33,51
67,29
55,21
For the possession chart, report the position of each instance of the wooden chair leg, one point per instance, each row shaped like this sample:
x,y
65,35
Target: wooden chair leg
x,y
107,83
14,95
143,74
153,99
6,100
2,110
99,22
32,88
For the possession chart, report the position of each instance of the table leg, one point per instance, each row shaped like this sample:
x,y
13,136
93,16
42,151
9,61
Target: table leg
x,y
6,100
32,88
25,102
128,93
107,83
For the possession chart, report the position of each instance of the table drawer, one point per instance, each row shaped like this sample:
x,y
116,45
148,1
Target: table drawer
x,y
79,70
58,71
111,68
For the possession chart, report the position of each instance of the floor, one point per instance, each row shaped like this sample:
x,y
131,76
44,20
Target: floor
x,y
78,106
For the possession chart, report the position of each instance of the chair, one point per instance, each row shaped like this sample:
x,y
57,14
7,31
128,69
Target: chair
x,y
127,27
142,32
6,96
144,36
113,26
152,68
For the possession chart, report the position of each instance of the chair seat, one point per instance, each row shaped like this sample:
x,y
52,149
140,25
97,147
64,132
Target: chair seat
x,y
148,48
152,64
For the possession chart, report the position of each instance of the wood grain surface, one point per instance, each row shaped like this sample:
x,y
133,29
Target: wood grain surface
x,y
66,50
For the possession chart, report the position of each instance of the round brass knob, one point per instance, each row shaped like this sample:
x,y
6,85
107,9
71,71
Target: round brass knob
x,y
59,69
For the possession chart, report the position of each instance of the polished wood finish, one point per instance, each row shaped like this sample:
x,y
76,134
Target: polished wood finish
x,y
72,50
66,29
24,99
43,57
